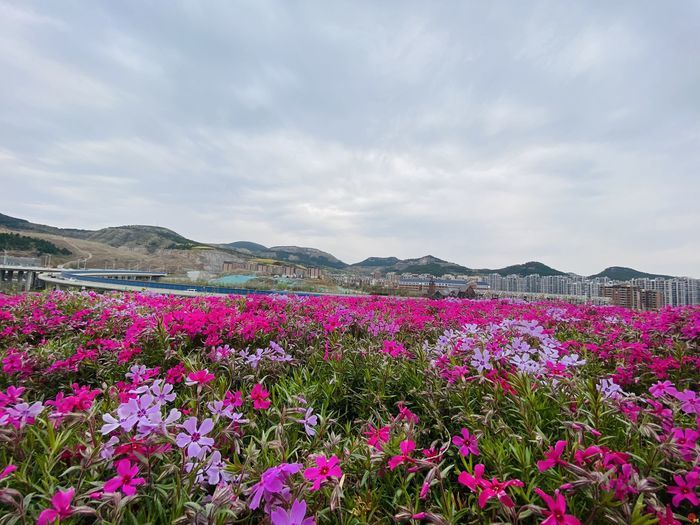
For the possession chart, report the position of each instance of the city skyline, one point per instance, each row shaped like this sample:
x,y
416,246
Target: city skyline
x,y
483,134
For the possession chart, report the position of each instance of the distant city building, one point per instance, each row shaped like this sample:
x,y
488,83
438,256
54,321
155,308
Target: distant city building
x,y
280,270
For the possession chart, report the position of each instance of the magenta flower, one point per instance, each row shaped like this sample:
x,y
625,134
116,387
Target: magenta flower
x,y
125,479
557,509
406,447
497,489
295,516
488,489
377,436
324,469
200,377
685,439
690,402
467,443
553,457
195,440
659,388
9,469
234,399
272,486
685,489
260,397
476,481
61,507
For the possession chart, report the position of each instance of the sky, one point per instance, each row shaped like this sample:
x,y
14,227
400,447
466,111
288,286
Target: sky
x,y
483,133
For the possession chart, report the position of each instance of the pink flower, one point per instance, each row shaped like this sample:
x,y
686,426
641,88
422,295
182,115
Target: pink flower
x,y
377,436
200,377
690,402
272,486
406,447
195,440
233,399
324,469
9,469
406,414
685,438
61,503
125,480
553,457
557,509
488,489
295,516
685,489
667,518
497,489
260,397
659,388
467,443
473,482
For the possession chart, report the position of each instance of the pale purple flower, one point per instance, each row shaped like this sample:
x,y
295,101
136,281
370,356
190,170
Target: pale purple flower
x,y
162,394
218,409
154,423
236,418
24,413
195,439
112,423
137,409
481,360
295,516
215,469
136,373
309,421
610,389
108,448
523,363
254,359
572,360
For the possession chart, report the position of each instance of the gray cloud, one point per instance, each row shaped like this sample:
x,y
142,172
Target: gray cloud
x,y
487,134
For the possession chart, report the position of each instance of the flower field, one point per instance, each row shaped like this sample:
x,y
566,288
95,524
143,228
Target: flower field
x,y
143,409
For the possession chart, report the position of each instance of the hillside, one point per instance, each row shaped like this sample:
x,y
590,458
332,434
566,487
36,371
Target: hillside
x,y
525,269
150,238
621,273
14,242
428,264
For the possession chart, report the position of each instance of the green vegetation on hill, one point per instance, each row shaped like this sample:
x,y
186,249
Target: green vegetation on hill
x,y
17,242
525,269
620,273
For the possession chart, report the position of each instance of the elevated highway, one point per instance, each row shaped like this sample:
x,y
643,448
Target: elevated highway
x,y
138,281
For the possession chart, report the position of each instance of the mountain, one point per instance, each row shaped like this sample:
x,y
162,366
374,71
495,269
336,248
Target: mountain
x,y
303,256
428,264
620,273
151,238
523,270
433,266
13,223
252,247
371,262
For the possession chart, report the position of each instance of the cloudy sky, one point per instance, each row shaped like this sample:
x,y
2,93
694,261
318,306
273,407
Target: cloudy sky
x,y
485,133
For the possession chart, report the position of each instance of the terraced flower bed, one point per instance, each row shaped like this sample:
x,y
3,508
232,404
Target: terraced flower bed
x,y
152,409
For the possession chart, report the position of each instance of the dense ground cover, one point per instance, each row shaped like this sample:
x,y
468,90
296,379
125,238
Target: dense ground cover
x,y
154,409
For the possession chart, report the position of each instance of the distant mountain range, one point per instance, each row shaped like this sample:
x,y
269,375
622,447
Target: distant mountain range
x,y
156,238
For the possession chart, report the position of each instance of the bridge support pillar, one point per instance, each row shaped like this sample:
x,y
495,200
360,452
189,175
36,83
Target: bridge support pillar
x,y
29,282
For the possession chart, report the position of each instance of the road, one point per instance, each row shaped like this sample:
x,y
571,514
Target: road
x,y
87,257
